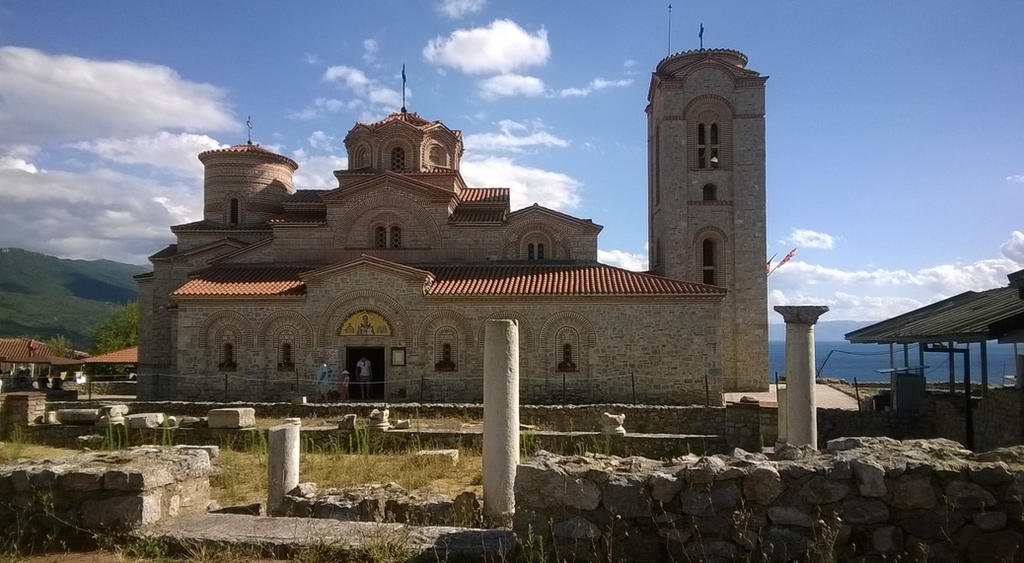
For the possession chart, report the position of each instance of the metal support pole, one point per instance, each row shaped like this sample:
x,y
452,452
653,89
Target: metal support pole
x,y
920,356
89,379
968,413
632,378
952,370
225,387
564,398
422,385
906,355
856,388
707,390
984,368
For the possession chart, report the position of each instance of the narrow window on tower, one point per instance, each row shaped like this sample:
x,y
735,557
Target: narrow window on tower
x,y
380,237
710,192
529,251
233,211
396,237
714,146
227,357
709,266
702,146
540,251
286,363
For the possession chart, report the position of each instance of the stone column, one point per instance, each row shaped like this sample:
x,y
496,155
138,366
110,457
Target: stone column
x,y
501,419
780,401
801,408
282,462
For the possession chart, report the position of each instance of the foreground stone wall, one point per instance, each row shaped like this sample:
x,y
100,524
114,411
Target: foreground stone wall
x,y
101,491
864,497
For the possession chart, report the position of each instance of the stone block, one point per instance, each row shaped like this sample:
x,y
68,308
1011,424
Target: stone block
x,y
865,511
126,512
78,416
81,481
145,420
239,417
965,495
820,490
627,497
763,484
870,477
211,451
790,516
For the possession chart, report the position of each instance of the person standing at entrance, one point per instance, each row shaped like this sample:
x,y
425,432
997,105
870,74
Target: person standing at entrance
x,y
323,382
364,373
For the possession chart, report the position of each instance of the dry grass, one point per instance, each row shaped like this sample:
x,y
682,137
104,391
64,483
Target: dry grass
x,y
243,475
13,450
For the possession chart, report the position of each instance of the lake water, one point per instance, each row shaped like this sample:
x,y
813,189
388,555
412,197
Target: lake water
x,y
862,360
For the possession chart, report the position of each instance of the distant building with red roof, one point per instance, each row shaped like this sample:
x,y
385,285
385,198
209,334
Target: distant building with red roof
x,y
402,263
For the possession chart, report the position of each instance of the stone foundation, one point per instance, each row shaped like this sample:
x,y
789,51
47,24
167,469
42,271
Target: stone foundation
x,y
870,497
79,495
382,503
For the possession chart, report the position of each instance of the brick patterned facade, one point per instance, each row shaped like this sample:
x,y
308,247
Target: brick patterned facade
x,y
257,298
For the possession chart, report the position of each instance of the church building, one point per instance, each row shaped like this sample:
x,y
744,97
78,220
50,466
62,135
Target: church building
x,y
391,275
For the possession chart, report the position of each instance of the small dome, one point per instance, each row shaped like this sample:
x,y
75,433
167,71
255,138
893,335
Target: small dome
x,y
249,148
682,59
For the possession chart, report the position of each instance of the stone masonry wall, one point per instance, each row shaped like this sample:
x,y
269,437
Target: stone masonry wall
x,y
864,497
101,491
19,410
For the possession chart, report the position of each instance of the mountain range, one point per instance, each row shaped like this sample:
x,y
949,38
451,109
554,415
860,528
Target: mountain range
x,y
44,296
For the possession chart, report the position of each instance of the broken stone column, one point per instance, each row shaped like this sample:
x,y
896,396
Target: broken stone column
x,y
801,408
282,462
780,409
501,419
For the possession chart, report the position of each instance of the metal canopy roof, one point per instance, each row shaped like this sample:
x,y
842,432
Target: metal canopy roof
x,y
969,317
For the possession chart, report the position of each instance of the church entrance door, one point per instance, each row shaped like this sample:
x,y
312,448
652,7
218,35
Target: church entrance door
x,y
365,361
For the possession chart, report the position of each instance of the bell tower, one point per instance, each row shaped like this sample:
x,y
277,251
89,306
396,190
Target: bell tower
x,y
706,194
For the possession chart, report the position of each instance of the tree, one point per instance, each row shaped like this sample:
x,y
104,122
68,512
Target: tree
x,y
119,330
60,346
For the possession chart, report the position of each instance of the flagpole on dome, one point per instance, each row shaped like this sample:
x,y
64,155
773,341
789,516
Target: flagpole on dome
x,y
403,87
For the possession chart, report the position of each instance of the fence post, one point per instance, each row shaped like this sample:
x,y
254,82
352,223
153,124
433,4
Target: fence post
x,y
632,379
422,385
225,387
564,398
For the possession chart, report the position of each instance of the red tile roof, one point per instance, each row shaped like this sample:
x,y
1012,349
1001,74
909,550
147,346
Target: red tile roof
x,y
291,217
556,279
122,356
466,214
250,149
17,350
410,118
245,281
305,196
204,225
484,195
507,279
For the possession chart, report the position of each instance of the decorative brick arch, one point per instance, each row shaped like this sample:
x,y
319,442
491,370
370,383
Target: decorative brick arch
x,y
572,319
218,322
281,320
437,319
708,101
516,237
709,108
395,204
526,336
349,303
408,143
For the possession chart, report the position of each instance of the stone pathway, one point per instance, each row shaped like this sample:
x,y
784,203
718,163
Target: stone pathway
x,y
284,536
825,396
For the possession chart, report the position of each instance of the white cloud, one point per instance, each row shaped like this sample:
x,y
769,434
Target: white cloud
x,y
64,98
1013,248
504,85
96,214
806,238
593,85
370,50
500,48
526,185
1015,178
845,306
322,106
16,157
371,95
310,59
175,153
513,137
322,141
628,260
317,172
456,9
628,63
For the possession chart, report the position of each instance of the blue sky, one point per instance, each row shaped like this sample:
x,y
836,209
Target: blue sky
x,y
894,129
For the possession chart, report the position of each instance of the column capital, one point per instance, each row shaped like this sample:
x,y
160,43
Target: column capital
x,y
801,314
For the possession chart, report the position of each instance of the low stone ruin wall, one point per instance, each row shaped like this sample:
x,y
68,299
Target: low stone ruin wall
x,y
75,496
382,503
874,497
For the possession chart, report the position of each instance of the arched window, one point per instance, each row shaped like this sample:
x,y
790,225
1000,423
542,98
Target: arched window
x,y
286,353
567,363
540,251
707,145
709,266
362,158
531,252
710,192
398,159
380,237
445,342
227,357
396,236
438,156
233,211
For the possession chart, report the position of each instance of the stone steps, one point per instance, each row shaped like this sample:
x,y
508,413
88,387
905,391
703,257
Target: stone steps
x,y
286,537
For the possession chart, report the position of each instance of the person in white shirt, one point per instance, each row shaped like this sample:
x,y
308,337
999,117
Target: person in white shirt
x,y
364,373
